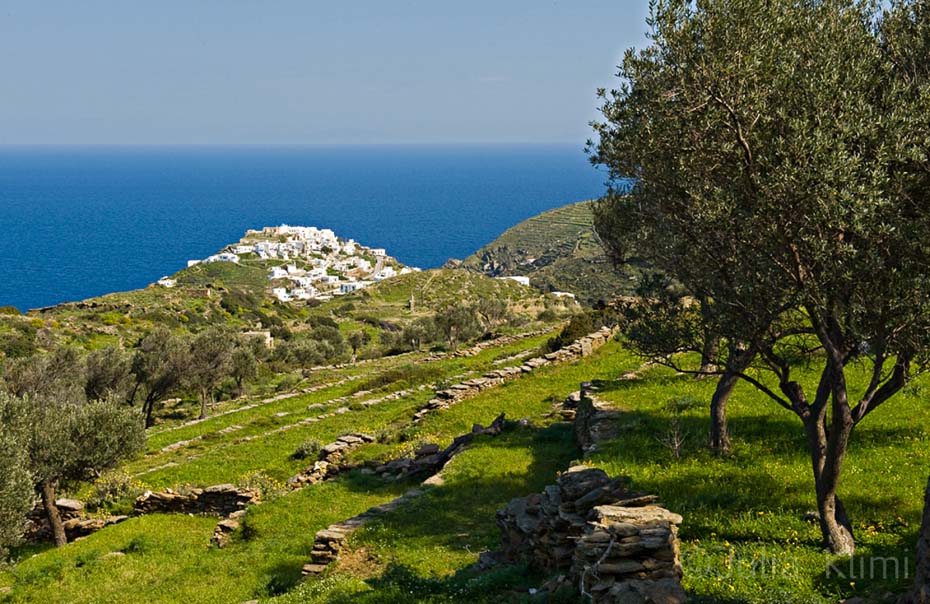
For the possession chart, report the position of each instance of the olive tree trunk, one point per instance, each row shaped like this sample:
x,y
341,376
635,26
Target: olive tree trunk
x,y
719,434
51,512
827,446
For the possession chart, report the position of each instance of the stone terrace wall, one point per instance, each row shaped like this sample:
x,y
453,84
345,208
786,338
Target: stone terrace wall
x,y
595,421
617,546
221,499
75,523
580,348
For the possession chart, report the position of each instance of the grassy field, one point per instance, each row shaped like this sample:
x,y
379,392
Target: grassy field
x,y
744,537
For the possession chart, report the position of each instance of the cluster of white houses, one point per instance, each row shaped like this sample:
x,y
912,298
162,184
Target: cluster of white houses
x,y
316,263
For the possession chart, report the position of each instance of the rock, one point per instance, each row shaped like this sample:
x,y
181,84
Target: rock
x,y
69,505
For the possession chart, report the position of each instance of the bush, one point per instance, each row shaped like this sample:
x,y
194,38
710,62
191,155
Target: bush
x,y
267,487
547,316
309,449
112,488
583,324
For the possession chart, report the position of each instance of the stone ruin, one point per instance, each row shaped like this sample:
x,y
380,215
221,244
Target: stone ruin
x,y
616,546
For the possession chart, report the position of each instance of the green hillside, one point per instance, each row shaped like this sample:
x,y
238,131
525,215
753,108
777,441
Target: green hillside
x,y
559,251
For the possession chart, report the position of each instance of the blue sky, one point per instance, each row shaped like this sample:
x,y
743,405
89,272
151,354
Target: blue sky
x,y
308,72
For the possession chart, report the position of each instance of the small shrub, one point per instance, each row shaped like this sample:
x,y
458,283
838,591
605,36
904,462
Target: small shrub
x,y
547,316
112,488
309,449
140,544
267,487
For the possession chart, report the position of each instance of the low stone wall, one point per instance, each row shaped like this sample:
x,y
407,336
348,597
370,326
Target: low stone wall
x,y
617,546
629,554
74,520
330,461
329,542
580,348
430,459
595,421
221,500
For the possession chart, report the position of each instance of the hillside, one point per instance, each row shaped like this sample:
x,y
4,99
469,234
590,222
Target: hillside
x,y
248,290
559,251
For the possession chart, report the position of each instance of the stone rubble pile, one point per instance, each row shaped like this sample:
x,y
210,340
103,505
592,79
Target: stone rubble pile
x,y
330,461
617,546
580,348
221,499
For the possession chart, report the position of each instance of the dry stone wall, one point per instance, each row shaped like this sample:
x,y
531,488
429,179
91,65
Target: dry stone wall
x,y
74,519
330,461
580,348
329,542
595,420
221,499
617,546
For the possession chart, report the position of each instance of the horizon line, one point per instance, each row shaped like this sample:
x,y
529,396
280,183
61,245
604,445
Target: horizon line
x,y
322,144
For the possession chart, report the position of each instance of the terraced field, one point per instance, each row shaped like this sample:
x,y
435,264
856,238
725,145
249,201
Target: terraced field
x,y
559,251
744,537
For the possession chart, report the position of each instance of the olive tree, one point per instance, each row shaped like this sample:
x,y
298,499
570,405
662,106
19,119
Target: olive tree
x,y
210,362
16,492
72,439
781,176
159,364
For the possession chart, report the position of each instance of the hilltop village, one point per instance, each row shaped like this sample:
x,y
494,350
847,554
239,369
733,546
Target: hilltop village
x,y
307,263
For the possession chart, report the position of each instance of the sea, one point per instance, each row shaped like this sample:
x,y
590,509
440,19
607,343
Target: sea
x,y
84,221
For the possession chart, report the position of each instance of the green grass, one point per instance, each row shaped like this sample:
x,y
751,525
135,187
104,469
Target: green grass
x,y
745,511
743,537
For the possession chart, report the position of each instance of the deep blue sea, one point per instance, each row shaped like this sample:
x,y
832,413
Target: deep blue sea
x,y
84,221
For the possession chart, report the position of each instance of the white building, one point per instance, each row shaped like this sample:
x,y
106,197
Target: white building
x,y
519,279
353,286
277,273
223,257
378,251
167,282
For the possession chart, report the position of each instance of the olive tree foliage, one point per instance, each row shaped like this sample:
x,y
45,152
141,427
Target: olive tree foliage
x,y
210,362
780,156
71,440
457,323
159,365
16,491
107,372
